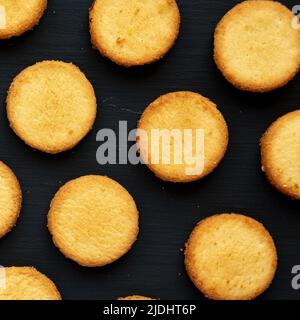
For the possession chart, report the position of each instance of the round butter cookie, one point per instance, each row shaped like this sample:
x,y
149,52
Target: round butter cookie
x,y
51,106
230,257
256,46
19,16
10,199
93,220
136,298
280,154
134,32
26,283
193,137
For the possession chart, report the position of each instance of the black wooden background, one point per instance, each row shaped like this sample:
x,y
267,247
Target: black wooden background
x,y
154,267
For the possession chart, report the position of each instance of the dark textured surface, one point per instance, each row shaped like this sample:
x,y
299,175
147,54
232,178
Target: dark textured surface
x,y
167,212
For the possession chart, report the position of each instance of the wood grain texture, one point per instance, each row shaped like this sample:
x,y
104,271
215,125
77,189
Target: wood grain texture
x,y
168,213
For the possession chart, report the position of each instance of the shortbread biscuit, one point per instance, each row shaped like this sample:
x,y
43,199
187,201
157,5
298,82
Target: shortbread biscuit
x,y
10,199
26,283
256,46
280,154
134,32
231,257
185,117
19,16
93,220
51,106
136,298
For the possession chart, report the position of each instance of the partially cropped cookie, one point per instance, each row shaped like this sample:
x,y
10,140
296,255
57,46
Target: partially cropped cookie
x,y
134,32
182,136
19,16
230,257
26,283
280,154
93,220
51,106
10,199
136,298
256,46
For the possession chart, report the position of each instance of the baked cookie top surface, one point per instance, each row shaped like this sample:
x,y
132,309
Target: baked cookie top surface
x,y
280,151
231,257
10,199
135,298
51,106
26,283
134,32
256,46
93,220
19,16
198,136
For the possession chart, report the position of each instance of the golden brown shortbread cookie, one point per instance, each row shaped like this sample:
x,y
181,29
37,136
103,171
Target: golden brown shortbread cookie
x,y
19,16
93,220
230,257
26,283
10,199
256,47
182,111
51,106
280,154
134,32
136,298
